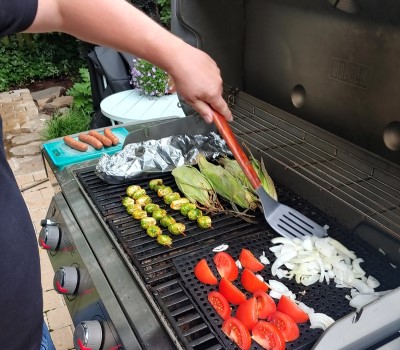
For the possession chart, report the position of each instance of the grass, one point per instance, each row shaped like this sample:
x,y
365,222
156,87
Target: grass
x,y
71,123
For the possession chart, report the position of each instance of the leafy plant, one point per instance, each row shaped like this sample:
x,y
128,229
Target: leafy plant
x,y
149,79
36,57
60,125
79,116
165,11
82,93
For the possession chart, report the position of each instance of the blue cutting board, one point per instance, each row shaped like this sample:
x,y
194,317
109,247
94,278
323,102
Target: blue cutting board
x,y
62,155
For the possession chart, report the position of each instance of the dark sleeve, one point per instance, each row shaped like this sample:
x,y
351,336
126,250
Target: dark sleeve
x,y
16,15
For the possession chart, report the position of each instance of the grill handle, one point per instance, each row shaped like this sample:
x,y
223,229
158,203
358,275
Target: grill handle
x,y
227,134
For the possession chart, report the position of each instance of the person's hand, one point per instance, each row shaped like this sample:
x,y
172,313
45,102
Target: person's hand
x,y
198,80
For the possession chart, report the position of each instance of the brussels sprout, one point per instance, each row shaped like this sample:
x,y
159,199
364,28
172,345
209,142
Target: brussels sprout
x,y
128,201
169,198
139,214
204,221
164,240
147,222
194,214
164,191
143,200
177,228
177,204
155,182
167,220
131,208
139,193
159,213
187,207
132,189
151,207
153,231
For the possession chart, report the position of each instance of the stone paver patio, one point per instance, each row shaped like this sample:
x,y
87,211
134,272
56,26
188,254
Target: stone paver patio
x,y
22,125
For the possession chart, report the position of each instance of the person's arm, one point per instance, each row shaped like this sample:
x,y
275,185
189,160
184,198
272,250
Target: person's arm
x,y
120,25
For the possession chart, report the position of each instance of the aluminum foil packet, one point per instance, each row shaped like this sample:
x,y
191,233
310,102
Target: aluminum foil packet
x,y
154,156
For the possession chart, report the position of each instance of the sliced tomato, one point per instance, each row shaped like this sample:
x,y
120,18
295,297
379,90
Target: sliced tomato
x,y
265,304
268,336
285,324
251,283
203,273
220,304
247,313
231,292
226,266
290,308
237,332
249,261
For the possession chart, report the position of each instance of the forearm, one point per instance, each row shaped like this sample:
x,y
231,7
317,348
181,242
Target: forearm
x,y
94,21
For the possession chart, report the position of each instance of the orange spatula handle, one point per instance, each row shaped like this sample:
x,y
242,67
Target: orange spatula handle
x,y
227,134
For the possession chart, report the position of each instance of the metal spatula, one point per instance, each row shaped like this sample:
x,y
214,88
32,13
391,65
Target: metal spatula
x,y
284,220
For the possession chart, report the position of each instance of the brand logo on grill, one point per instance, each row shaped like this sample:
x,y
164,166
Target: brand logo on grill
x,y
350,72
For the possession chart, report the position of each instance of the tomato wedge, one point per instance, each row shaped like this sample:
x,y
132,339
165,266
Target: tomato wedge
x,y
290,308
237,332
203,273
268,336
251,283
265,304
247,313
220,304
249,261
226,266
231,292
285,324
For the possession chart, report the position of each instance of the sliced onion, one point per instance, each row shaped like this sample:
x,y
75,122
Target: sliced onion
x,y
261,278
275,294
342,248
220,248
361,300
319,320
308,310
282,240
263,259
238,264
356,266
372,282
309,280
277,286
281,260
324,247
362,287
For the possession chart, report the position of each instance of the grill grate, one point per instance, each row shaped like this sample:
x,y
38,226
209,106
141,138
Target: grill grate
x,y
167,271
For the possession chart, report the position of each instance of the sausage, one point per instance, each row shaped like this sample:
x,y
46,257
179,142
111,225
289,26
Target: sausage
x,y
103,139
71,142
90,140
111,136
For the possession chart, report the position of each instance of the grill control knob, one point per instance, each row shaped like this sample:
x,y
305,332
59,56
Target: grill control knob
x,y
88,335
66,280
50,236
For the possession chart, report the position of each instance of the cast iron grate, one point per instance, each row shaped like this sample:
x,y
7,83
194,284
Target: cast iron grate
x,y
167,272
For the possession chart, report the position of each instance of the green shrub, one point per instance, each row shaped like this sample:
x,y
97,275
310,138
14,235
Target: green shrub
x,y
165,12
42,56
70,123
78,118
82,93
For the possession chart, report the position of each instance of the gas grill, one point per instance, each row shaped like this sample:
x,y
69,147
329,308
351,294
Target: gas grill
x,y
125,291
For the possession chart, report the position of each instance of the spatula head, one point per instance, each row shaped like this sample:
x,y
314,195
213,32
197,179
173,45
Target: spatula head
x,y
286,221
